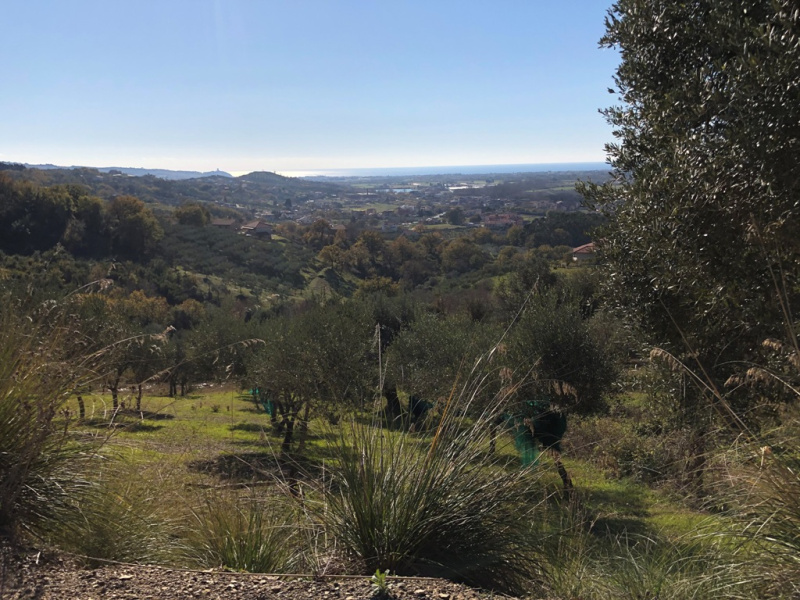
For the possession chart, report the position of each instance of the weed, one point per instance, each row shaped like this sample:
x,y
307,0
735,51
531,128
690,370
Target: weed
x,y
380,582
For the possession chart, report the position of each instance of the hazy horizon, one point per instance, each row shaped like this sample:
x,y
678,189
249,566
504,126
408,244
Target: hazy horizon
x,y
450,170
372,171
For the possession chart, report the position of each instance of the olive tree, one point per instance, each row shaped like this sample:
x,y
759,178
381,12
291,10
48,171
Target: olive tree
x,y
315,363
702,245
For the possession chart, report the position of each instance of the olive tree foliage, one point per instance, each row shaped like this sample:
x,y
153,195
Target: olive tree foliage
x,y
192,213
315,363
703,239
133,229
555,353
436,356
531,275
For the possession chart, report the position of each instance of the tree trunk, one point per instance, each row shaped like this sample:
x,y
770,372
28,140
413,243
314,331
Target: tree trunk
x,y
494,430
139,398
393,407
278,409
286,446
303,433
113,387
81,408
562,472
697,467
273,417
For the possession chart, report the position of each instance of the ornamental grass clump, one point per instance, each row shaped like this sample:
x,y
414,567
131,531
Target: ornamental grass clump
x,y
685,568
766,500
40,462
128,514
438,505
244,533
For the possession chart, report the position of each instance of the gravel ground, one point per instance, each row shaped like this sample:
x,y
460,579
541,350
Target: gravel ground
x,y
42,576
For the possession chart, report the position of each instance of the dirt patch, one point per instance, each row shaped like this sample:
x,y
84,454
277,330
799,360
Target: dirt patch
x,y
32,575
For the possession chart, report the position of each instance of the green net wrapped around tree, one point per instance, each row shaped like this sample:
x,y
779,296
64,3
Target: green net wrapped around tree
x,y
538,427
525,444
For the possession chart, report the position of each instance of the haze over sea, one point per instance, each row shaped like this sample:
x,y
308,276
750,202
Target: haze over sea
x,y
449,170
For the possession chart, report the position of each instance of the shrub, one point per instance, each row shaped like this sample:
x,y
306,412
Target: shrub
x,y
626,445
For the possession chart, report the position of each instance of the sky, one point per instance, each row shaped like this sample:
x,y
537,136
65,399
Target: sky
x,y
301,85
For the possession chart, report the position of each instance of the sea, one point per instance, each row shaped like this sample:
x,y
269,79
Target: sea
x,y
450,170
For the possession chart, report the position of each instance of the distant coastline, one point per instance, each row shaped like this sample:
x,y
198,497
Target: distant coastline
x,y
448,170
348,173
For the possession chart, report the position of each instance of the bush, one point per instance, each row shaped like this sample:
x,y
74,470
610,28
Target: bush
x,y
625,447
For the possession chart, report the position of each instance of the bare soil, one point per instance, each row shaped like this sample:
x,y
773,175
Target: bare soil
x,y
29,574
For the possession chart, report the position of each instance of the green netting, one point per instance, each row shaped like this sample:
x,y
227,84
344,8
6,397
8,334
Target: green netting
x,y
524,441
261,402
525,444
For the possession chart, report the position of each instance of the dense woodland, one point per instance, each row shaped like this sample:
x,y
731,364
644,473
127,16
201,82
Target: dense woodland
x,y
667,367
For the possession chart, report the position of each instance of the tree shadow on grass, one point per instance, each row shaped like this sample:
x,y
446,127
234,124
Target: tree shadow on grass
x,y
610,526
138,426
146,414
617,511
258,466
251,427
244,466
129,420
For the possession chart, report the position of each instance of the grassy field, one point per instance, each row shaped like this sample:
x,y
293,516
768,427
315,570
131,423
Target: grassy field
x,y
212,459
201,482
217,421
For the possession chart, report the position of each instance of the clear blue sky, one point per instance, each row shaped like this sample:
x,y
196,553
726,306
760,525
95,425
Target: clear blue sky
x,y
294,85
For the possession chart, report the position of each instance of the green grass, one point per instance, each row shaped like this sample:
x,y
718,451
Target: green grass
x,y
215,459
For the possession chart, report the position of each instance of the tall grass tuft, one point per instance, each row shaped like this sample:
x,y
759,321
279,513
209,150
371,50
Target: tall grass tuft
x,y
40,462
125,515
439,506
247,533
674,569
570,552
766,500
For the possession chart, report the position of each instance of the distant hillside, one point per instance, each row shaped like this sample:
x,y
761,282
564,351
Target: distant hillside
x,y
139,172
165,173
254,190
